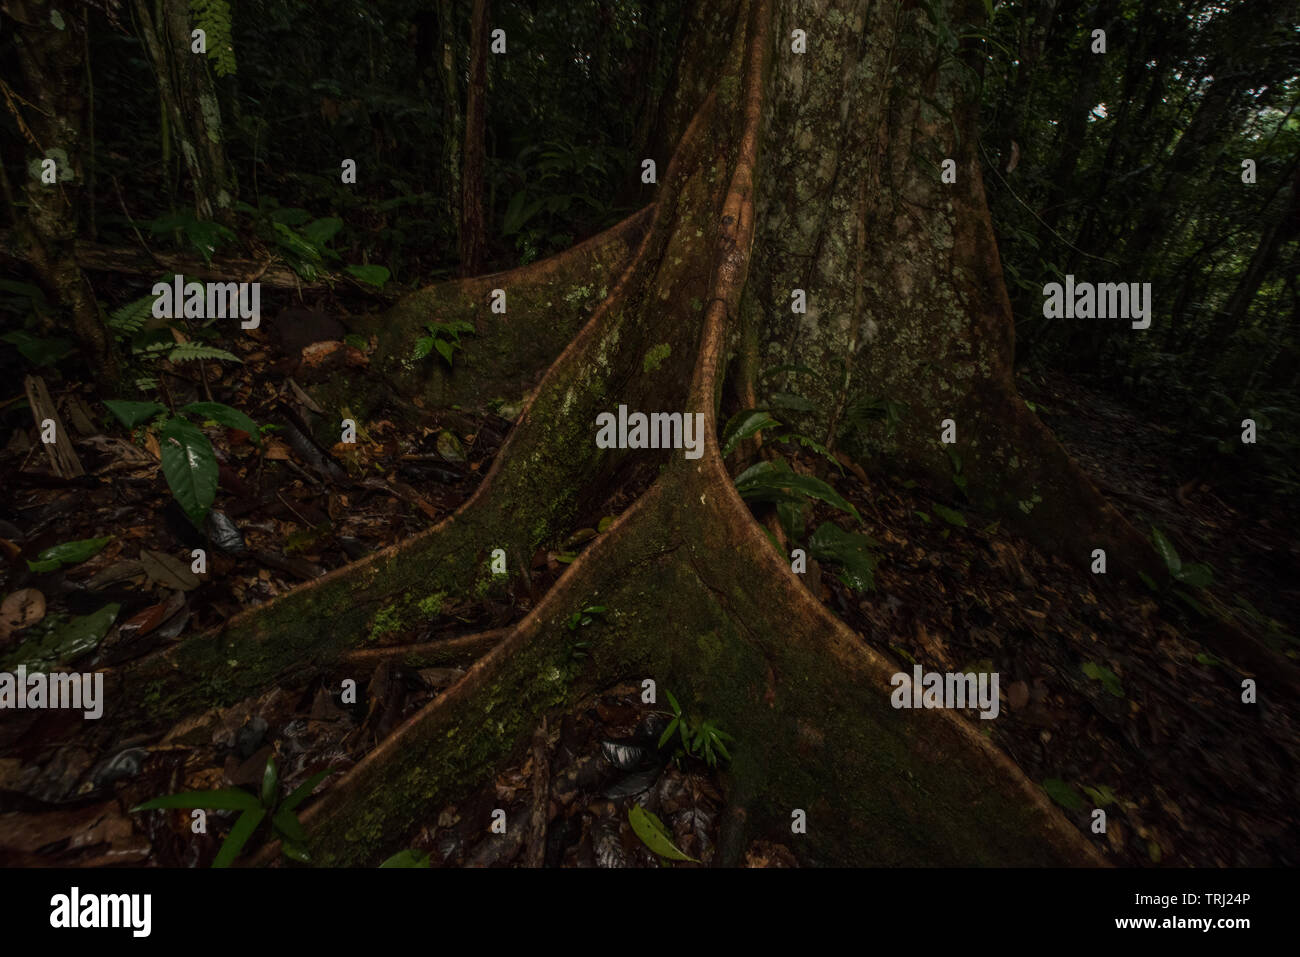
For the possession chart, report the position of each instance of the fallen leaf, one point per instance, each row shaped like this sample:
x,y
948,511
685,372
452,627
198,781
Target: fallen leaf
x,y
22,609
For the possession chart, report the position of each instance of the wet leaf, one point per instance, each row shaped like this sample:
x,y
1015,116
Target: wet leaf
x,y
227,416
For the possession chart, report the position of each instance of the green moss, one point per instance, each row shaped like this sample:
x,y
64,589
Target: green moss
x,y
386,620
655,357
431,607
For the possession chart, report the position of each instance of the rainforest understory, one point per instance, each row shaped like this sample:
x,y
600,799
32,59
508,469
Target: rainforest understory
x,y
530,582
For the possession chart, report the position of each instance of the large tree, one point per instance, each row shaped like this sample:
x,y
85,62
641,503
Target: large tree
x,y
781,170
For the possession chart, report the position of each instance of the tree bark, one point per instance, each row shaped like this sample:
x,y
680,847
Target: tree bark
x,y
472,226
190,103
50,54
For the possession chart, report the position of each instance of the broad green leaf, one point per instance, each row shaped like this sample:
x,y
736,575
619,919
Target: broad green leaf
x,y
770,482
408,858
295,852
445,348
227,416
224,799
1166,550
58,640
423,346
320,231
303,791
742,425
68,553
371,275
654,835
189,466
854,553
287,823
1063,794
132,414
238,836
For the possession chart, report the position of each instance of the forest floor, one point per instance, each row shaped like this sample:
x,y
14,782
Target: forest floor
x,y
1108,700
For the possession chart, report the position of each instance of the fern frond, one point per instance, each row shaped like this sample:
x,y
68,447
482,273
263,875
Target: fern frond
x,y
189,351
213,18
127,320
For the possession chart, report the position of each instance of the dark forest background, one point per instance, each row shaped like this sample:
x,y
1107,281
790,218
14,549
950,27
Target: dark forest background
x,y
1117,167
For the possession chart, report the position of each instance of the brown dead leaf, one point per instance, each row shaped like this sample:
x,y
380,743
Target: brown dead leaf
x,y
22,609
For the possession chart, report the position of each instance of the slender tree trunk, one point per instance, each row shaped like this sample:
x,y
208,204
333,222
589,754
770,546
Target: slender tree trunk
x,y
50,54
472,226
190,105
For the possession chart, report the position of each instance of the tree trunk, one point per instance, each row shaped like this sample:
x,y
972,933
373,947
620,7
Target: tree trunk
x,y
472,226
818,171
189,101
50,53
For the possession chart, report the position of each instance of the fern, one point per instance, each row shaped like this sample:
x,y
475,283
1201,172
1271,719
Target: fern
x,y
189,351
213,18
127,320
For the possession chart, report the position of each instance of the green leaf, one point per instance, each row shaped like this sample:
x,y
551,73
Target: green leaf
x,y
1101,796
38,351
189,466
288,826
1195,575
320,231
1107,677
371,275
132,414
792,402
227,416
445,348
1166,550
295,852
951,516
238,836
408,858
852,552
1063,794
303,791
773,482
57,640
673,702
744,424
270,783
68,553
193,351
668,732
224,799
423,346
654,835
